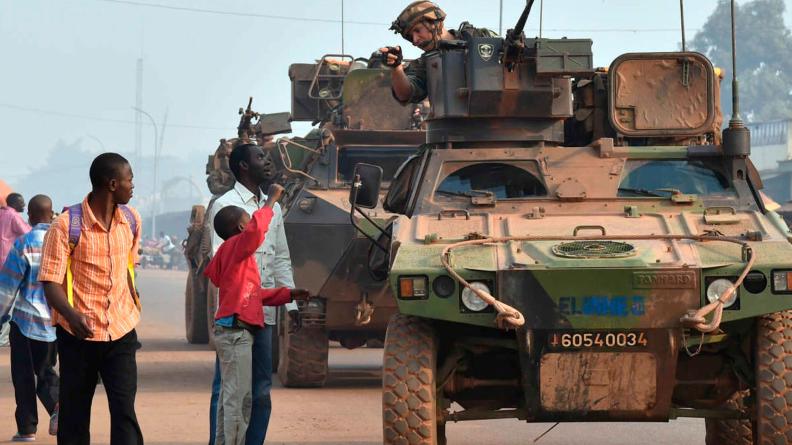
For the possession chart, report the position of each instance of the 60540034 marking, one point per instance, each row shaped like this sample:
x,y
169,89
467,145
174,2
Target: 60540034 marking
x,y
598,340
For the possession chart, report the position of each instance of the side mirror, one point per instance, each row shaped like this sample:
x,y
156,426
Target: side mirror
x,y
366,186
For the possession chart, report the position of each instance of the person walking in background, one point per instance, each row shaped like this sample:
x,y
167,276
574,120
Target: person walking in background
x,y
91,248
12,226
24,306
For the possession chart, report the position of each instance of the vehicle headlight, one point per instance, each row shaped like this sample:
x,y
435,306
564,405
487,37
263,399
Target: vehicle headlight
x,y
412,287
782,281
717,288
472,301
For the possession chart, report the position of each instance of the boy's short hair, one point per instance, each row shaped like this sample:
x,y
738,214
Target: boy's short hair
x,y
106,167
227,220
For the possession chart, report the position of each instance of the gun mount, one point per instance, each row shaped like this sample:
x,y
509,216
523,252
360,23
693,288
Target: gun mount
x,y
527,103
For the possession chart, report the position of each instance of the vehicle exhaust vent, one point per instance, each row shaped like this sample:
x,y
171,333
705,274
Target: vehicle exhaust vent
x,y
594,249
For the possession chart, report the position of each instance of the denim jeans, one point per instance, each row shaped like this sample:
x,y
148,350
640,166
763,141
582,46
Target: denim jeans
x,y
216,381
262,384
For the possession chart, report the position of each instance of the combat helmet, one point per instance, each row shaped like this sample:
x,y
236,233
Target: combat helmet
x,y
414,13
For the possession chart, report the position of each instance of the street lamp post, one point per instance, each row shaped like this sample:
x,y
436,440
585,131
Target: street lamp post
x,y
156,167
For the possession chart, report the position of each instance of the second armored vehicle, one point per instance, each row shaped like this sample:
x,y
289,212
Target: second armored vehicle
x,y
359,122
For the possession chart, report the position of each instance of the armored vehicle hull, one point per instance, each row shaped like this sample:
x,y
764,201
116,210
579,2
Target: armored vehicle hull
x,y
581,245
360,122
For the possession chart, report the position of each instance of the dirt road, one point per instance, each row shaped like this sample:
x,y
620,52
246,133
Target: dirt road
x,y
173,396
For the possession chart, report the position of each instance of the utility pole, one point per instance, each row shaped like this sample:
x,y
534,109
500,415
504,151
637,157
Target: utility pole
x,y
154,192
156,171
138,106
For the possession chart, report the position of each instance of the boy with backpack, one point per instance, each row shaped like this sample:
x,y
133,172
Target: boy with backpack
x,y
234,271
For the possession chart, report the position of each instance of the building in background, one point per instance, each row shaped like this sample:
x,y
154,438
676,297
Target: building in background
x,y
771,153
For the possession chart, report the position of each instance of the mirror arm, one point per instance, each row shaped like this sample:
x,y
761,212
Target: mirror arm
x,y
756,195
381,230
358,228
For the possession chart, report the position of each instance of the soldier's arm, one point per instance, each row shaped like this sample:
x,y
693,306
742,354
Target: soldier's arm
x,y
402,87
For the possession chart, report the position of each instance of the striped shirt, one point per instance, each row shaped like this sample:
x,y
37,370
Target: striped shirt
x,y
20,292
99,266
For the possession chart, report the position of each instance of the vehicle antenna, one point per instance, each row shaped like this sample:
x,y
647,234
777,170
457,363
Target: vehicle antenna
x,y
541,17
736,138
342,26
682,19
500,19
735,120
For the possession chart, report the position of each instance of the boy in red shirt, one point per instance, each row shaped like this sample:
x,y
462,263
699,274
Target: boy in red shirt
x,y
239,314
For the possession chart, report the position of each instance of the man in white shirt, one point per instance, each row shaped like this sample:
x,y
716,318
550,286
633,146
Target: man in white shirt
x,y
252,167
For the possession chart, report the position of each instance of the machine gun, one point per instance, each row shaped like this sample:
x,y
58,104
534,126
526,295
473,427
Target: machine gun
x,y
514,43
267,124
245,127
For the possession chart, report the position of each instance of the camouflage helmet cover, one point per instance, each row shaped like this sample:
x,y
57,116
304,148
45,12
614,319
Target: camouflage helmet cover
x,y
414,13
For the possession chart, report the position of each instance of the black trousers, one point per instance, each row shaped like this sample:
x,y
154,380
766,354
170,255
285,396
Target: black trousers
x,y
33,374
81,362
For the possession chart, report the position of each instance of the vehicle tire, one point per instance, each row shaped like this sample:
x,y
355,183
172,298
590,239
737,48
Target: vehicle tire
x,y
409,400
774,379
730,431
211,309
194,312
303,356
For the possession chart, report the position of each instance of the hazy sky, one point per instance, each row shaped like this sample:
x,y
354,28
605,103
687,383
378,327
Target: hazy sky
x,y
68,66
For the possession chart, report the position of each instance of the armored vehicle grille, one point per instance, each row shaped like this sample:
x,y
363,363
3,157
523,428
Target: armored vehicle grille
x,y
594,249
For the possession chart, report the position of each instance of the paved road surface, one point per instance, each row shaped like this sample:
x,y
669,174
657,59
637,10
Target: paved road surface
x,y
173,396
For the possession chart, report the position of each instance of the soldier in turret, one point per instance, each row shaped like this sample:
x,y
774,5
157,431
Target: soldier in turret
x,y
422,24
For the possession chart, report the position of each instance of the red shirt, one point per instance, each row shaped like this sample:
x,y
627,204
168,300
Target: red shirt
x,y
234,271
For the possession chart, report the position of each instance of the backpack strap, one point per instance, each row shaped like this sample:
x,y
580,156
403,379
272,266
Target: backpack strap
x,y
75,230
130,217
75,225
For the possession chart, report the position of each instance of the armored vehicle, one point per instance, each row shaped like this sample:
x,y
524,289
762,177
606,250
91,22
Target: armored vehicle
x,y
581,244
358,122
200,296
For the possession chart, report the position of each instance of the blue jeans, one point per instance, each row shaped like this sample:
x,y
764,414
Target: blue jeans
x,y
262,384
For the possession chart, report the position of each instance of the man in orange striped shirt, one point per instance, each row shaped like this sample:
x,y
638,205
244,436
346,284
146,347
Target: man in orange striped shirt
x,y
96,323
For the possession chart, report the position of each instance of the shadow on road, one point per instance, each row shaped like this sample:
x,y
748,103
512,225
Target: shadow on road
x,y
354,378
170,344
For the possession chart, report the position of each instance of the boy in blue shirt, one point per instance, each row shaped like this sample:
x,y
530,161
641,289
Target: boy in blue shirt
x,y
24,306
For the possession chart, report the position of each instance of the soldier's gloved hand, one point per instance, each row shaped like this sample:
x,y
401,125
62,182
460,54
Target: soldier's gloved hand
x,y
392,55
295,321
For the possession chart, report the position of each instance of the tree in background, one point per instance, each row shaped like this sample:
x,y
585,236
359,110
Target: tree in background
x,y
764,65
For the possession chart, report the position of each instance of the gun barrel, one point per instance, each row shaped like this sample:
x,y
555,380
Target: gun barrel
x,y
518,29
